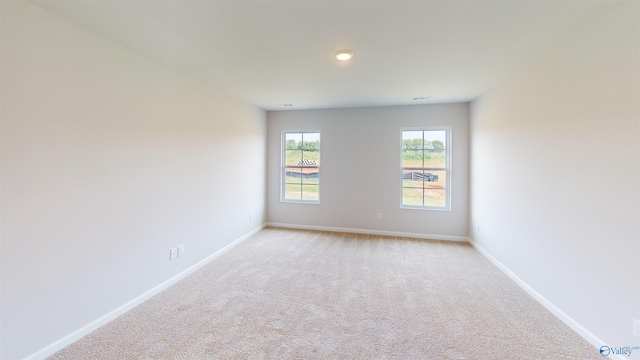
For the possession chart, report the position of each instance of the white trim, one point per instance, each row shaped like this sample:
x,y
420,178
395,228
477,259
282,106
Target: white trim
x,y
448,168
371,232
85,330
283,166
586,334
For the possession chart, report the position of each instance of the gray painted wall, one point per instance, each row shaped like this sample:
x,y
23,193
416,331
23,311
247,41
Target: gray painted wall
x,y
108,160
367,141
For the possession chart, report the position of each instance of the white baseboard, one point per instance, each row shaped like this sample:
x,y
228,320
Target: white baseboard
x,y
586,334
371,232
85,330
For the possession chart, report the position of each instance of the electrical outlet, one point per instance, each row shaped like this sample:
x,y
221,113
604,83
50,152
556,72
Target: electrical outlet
x,y
478,229
180,250
173,253
636,327
379,216
250,217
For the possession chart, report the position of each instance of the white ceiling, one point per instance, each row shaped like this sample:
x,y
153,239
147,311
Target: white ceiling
x,y
275,52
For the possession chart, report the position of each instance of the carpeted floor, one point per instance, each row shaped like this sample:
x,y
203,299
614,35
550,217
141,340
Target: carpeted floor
x,y
297,294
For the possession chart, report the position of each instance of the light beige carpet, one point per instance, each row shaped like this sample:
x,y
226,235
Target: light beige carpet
x,y
294,294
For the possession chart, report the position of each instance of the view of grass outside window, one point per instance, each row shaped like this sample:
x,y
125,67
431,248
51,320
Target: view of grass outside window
x,y
425,168
301,168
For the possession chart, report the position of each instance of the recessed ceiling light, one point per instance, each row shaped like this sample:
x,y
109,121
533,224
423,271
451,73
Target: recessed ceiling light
x,y
344,55
422,98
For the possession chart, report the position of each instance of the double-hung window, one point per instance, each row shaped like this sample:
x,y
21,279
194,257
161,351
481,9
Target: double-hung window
x,y
300,167
426,168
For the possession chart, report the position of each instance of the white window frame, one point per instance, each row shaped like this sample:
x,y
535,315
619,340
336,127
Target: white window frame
x,y
283,167
448,171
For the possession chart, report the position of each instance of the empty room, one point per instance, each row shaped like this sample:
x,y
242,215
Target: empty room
x,y
319,179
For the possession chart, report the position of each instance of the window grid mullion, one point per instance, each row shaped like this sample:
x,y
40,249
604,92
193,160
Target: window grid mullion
x,y
423,195
436,196
300,168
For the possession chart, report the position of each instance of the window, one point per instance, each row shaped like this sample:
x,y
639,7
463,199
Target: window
x,y
301,167
426,164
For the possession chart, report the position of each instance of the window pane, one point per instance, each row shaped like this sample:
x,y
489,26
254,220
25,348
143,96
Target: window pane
x,y
310,192
311,176
293,141
435,158
435,198
424,168
293,192
311,141
412,140
435,139
412,178
412,197
412,184
311,157
435,179
293,157
301,180
293,175
411,158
